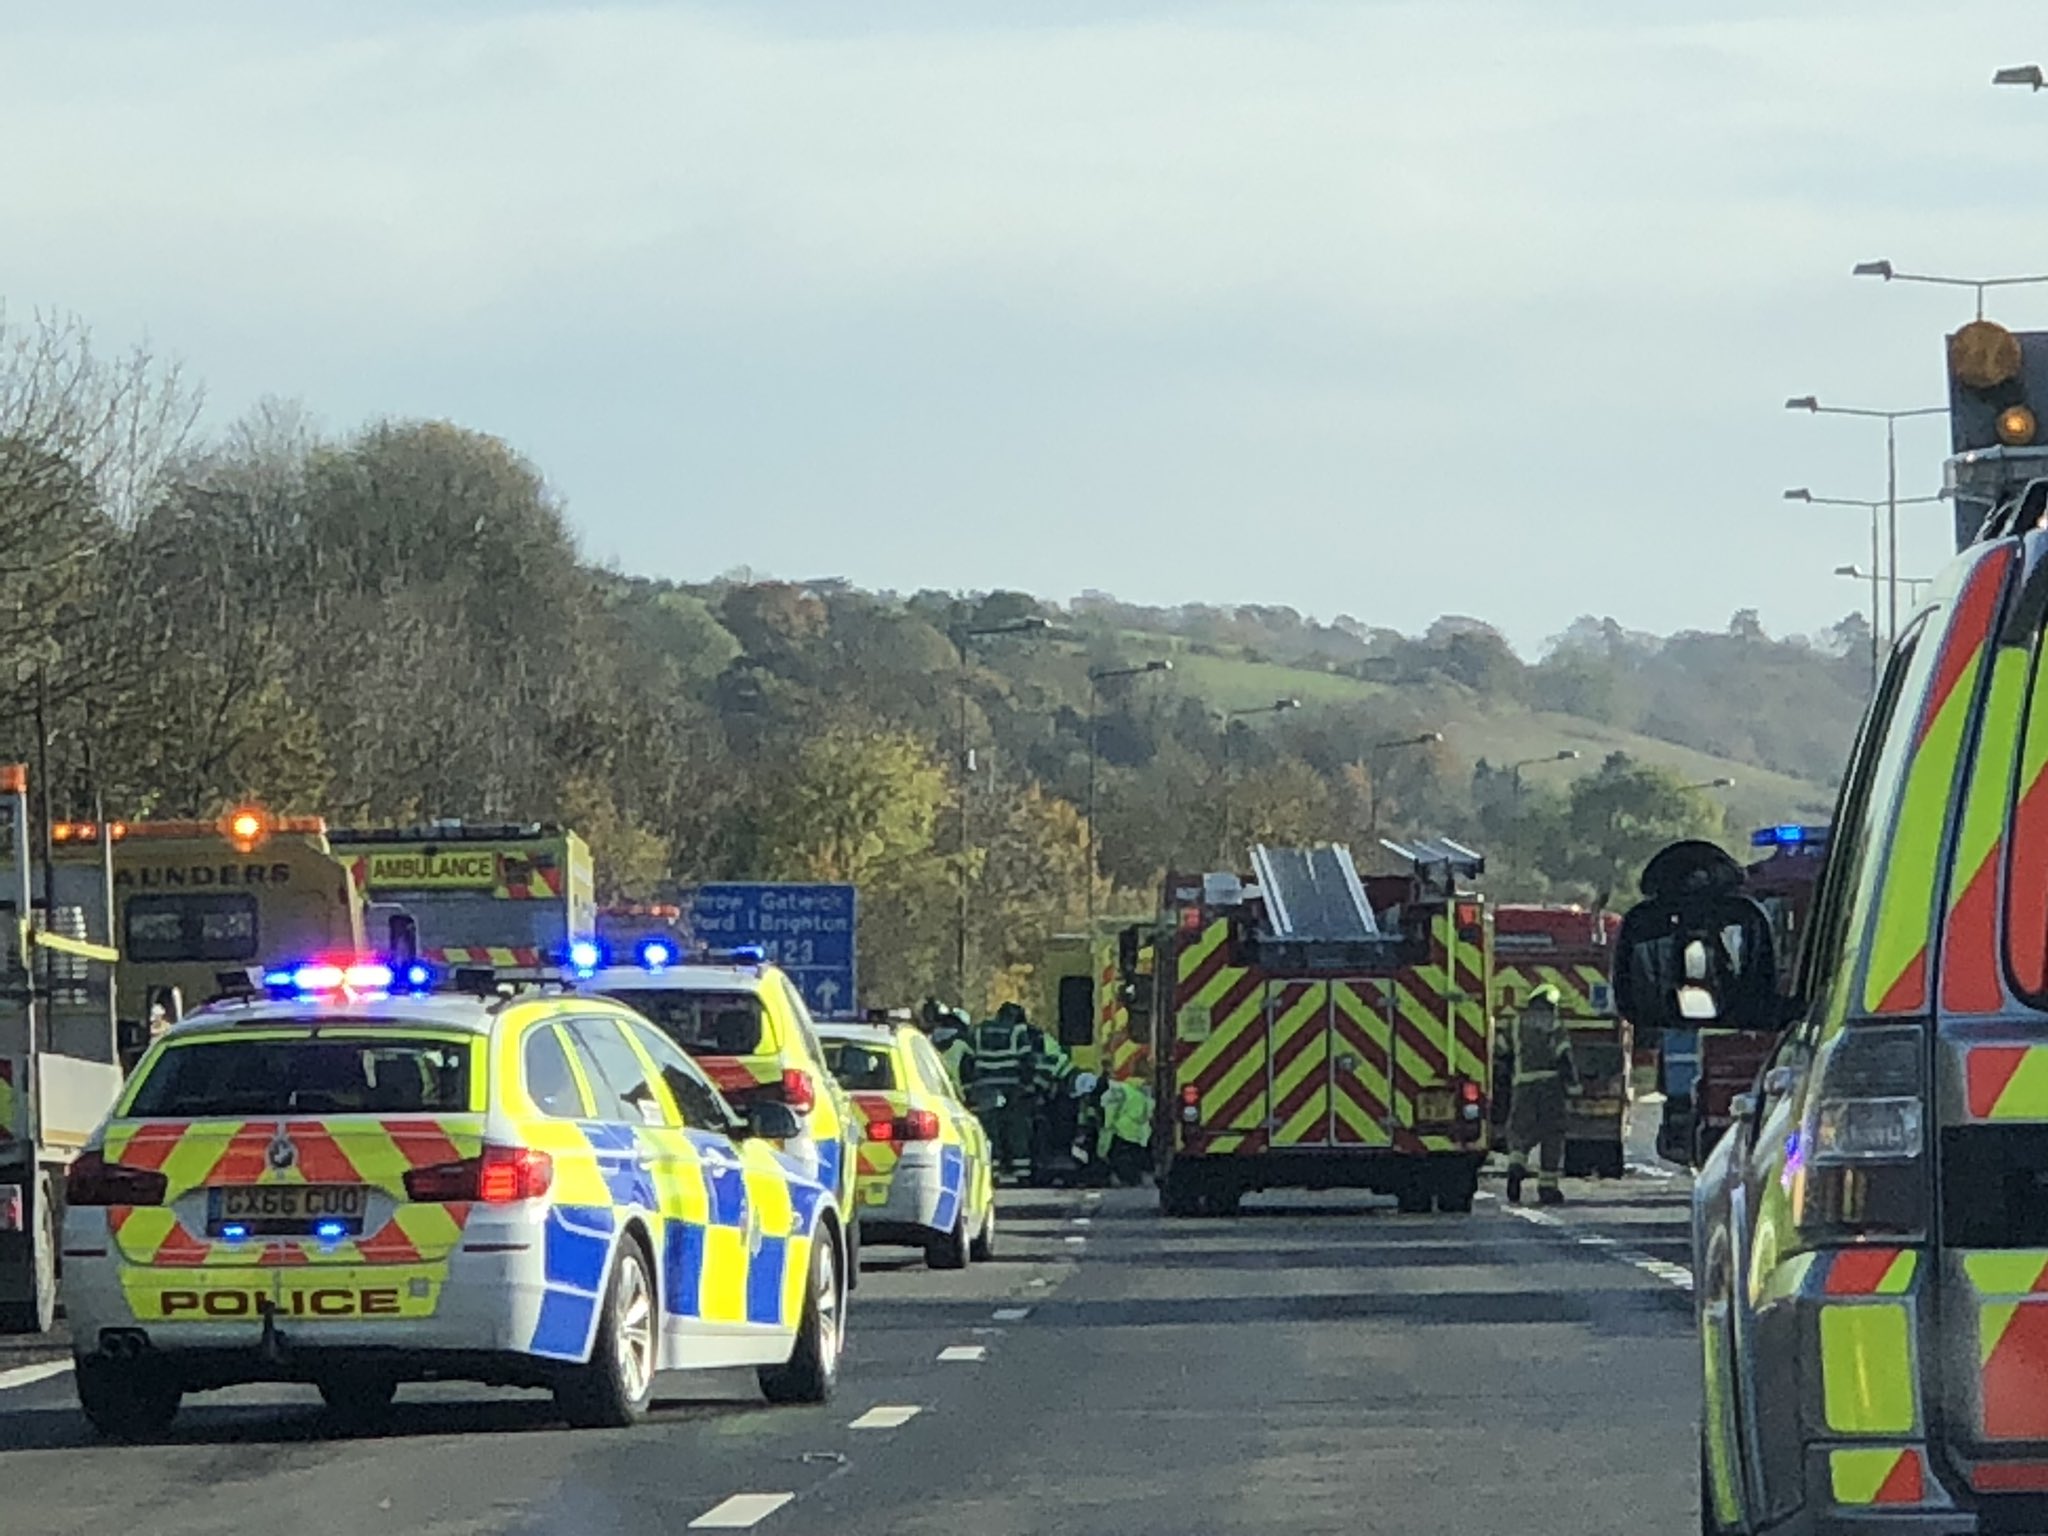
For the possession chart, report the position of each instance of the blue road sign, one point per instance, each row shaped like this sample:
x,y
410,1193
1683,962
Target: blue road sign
x,y
807,930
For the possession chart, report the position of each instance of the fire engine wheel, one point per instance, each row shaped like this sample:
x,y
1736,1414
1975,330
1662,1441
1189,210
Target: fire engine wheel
x,y
1415,1196
1455,1189
1178,1195
1222,1202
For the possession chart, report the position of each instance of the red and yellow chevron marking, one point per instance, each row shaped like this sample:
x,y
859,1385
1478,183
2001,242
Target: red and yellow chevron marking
x,y
357,1150
1220,1036
502,957
8,1100
877,1160
2012,1342
2006,1082
1360,1103
1298,1040
526,879
1970,979
1878,1474
1871,1272
2026,876
1896,978
740,1074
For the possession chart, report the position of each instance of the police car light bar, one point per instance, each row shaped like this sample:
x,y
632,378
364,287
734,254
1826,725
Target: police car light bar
x,y
587,956
355,978
1788,836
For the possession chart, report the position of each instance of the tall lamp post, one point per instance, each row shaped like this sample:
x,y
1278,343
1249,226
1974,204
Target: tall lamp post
x,y
1230,717
1893,503
1372,778
1891,420
1095,680
1562,755
962,635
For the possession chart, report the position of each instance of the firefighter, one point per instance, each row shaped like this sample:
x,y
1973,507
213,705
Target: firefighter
x,y
1126,1141
998,1090
1543,1077
1046,1081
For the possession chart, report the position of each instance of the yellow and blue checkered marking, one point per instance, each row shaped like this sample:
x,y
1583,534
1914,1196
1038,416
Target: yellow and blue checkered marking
x,y
575,1249
952,1187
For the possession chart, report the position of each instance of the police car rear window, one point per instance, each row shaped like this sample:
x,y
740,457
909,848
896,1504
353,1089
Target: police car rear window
x,y
862,1068
702,1023
321,1074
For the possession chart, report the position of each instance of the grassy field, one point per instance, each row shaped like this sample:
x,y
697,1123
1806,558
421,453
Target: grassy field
x,y
1501,734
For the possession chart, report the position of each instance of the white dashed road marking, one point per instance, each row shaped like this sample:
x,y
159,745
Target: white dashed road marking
x,y
1012,1314
1076,1238
1676,1275
29,1375
1083,1221
964,1352
741,1512
891,1416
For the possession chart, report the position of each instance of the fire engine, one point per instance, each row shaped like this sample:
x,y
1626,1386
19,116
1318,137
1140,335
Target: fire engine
x,y
511,897
1318,1030
1571,949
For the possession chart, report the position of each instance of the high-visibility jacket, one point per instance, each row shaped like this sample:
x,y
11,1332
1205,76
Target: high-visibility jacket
x,y
1126,1114
1002,1054
1050,1064
956,1052
1543,1048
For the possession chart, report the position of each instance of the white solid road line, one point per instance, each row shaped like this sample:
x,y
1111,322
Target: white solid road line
x,y
893,1416
964,1352
29,1375
741,1512
1012,1314
1675,1275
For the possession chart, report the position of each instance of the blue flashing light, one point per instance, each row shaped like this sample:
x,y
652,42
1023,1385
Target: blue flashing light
x,y
1788,836
330,1231
657,954
747,954
234,1232
418,976
585,956
278,981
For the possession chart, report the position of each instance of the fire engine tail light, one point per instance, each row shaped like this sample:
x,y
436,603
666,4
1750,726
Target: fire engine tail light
x,y
92,1180
1191,1104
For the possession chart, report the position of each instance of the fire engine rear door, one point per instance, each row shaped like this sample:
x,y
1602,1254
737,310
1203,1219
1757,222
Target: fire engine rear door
x,y
1298,1063
1361,1029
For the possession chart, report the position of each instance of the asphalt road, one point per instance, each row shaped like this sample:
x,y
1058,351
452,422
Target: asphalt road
x,y
1316,1364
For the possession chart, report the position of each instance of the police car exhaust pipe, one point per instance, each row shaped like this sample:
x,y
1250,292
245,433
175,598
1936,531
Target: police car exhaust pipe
x,y
123,1343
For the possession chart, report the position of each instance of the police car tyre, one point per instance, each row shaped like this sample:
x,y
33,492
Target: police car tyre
x,y
38,1314
813,1366
1709,1526
983,1248
358,1398
126,1399
853,1256
613,1389
948,1250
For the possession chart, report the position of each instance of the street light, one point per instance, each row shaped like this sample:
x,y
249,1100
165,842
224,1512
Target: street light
x,y
1230,717
1372,779
1911,583
1873,507
2028,75
1562,755
1891,274
961,635
1095,679
1891,421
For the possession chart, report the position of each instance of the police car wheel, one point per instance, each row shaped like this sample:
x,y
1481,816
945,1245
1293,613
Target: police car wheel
x,y
358,1399
949,1249
983,1248
613,1389
853,1256
126,1400
813,1366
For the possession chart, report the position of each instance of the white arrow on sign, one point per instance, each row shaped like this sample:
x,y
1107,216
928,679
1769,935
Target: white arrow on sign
x,y
828,994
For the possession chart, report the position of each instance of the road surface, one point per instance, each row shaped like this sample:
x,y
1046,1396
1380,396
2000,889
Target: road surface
x,y
1318,1364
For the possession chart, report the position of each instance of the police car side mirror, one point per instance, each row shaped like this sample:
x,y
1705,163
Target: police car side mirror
x,y
769,1121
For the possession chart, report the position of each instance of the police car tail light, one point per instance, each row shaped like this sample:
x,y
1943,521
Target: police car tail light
x,y
798,1091
92,1180
881,1130
1855,1165
918,1125
506,1174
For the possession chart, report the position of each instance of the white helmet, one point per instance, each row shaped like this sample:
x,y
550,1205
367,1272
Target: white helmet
x,y
1084,1084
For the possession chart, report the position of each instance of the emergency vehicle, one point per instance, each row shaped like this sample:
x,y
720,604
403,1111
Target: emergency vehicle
x,y
1571,949
195,898
1322,1031
925,1178
1094,993
342,1181
1871,1241
510,897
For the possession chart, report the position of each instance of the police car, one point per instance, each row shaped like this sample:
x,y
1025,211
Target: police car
x,y
340,1180
746,1026
925,1176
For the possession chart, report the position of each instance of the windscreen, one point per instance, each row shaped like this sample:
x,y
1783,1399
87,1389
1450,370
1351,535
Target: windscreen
x,y
860,1067
468,920
165,928
703,1023
325,1073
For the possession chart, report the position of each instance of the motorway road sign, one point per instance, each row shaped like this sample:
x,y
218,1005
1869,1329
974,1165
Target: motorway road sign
x,y
807,930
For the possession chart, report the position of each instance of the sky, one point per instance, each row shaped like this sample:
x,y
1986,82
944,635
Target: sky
x,y
1371,308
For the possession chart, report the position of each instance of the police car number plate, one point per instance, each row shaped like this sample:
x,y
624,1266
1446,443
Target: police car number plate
x,y
275,1210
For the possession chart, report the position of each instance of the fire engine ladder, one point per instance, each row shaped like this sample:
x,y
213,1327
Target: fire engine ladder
x,y
1313,894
